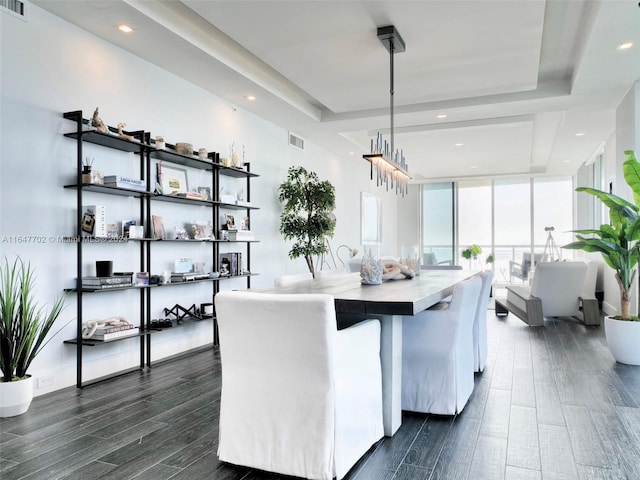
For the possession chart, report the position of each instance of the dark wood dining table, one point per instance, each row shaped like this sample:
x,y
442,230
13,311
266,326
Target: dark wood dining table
x,y
388,303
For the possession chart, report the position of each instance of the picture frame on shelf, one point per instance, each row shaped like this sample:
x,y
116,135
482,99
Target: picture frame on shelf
x,y
206,191
230,221
172,180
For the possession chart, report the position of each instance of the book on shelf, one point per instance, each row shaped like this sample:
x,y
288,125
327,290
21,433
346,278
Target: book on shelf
x,y
177,277
113,335
119,280
106,287
94,221
192,195
236,235
113,328
124,182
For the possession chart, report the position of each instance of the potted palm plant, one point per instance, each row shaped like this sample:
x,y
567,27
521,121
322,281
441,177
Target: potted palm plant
x,y
307,216
618,243
24,326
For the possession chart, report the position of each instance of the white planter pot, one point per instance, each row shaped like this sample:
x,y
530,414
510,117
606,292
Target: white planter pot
x,y
623,339
15,397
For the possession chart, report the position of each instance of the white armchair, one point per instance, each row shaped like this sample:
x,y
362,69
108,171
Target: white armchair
x,y
298,396
437,354
480,323
558,289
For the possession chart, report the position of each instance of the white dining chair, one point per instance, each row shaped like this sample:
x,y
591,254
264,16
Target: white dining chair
x,y
437,354
480,348
298,396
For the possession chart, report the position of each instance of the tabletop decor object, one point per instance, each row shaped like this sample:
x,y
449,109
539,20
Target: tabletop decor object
x,y
371,269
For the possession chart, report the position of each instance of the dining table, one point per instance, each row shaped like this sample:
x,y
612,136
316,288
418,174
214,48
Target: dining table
x,y
388,302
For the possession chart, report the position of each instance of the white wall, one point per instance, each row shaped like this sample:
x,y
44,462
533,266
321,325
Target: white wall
x,y
48,67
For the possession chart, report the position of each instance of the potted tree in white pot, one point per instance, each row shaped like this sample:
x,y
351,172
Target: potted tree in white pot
x,y
23,328
307,217
618,243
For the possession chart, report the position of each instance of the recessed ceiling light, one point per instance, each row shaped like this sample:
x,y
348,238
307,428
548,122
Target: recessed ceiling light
x,y
625,46
565,161
459,144
251,98
580,134
473,166
352,153
125,28
441,115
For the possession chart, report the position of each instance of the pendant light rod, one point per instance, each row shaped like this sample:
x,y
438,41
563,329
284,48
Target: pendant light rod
x,y
393,42
391,91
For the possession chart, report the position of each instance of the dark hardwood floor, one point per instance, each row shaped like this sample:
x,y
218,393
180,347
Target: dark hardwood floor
x,y
551,404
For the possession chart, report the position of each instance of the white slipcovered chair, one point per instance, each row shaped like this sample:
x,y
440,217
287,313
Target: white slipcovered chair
x,y
558,289
480,323
298,396
437,354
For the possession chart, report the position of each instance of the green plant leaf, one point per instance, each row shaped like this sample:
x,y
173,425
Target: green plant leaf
x,y
24,325
631,170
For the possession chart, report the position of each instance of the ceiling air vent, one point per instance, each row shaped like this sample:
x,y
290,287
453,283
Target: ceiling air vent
x,y
14,7
296,141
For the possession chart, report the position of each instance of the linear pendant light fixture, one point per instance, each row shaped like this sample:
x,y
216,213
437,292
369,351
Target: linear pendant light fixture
x,y
388,163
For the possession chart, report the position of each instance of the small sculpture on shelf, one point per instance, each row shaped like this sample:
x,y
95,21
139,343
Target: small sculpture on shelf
x,y
234,155
97,122
123,135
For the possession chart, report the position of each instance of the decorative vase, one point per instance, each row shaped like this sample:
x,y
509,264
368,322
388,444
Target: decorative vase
x,y
623,338
15,397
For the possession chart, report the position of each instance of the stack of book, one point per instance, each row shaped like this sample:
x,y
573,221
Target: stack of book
x,y
240,235
192,195
177,277
124,182
112,332
103,283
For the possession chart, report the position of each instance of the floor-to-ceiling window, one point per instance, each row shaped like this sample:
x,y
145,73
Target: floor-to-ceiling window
x,y
438,223
475,224
512,233
552,216
509,218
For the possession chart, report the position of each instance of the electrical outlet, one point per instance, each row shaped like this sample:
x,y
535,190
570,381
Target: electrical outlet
x,y
45,381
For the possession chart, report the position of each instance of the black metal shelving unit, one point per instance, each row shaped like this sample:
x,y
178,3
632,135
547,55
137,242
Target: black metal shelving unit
x,y
145,151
